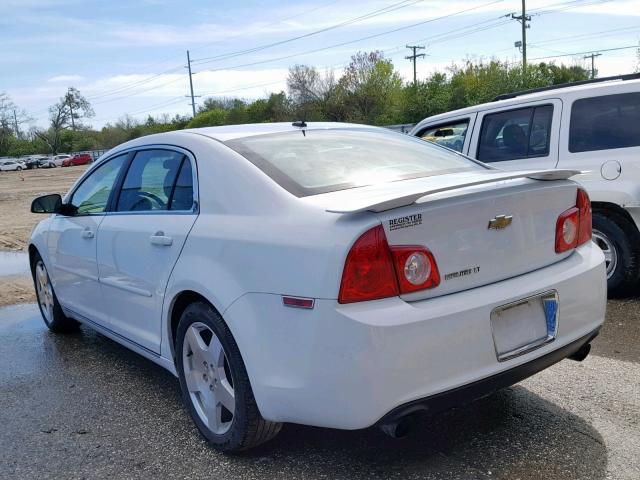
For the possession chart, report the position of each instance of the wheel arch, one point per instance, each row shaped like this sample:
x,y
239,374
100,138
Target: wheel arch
x,y
608,207
179,303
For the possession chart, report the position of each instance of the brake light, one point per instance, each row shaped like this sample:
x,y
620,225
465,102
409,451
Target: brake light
x,y
368,271
573,227
373,270
584,205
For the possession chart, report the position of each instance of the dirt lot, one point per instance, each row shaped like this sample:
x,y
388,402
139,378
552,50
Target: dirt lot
x,y
17,189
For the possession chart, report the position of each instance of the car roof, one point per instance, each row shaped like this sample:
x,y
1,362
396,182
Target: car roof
x,y
231,132
531,97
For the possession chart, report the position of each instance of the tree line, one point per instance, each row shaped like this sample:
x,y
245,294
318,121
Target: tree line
x,y
370,91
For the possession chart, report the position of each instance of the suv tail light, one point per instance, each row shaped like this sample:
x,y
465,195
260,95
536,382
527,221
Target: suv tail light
x,y
373,270
573,227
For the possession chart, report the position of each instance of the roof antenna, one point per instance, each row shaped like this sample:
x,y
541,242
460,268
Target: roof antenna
x,y
302,124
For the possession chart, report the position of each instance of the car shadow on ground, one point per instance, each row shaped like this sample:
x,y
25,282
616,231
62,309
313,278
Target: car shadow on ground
x,y
133,419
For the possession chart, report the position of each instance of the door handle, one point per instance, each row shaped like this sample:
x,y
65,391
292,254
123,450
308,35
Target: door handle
x,y
88,234
159,238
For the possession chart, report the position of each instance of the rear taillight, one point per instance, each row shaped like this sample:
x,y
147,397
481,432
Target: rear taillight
x,y
374,270
573,227
416,268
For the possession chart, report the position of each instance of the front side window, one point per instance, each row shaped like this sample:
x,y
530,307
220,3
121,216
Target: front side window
x,y
319,161
150,180
607,122
449,135
516,134
93,193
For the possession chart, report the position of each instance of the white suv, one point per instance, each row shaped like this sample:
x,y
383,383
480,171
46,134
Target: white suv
x,y
593,126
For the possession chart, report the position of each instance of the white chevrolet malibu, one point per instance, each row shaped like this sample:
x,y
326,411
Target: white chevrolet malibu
x,y
332,275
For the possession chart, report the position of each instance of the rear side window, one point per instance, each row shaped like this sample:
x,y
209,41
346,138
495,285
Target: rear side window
x,y
602,123
516,134
149,182
310,162
450,135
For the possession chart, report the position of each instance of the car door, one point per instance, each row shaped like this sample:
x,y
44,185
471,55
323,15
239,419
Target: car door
x,y
519,137
72,242
141,238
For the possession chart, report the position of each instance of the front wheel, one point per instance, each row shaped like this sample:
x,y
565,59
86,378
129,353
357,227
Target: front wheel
x,y
19,169
620,242
52,314
214,382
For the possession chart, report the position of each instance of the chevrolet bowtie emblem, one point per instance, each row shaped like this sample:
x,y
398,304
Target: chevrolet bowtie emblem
x,y
500,221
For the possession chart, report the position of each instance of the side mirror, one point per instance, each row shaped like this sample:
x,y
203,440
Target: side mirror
x,y
51,203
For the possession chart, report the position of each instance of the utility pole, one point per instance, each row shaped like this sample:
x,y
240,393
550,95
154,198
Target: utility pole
x,y
414,57
523,19
15,122
593,64
193,101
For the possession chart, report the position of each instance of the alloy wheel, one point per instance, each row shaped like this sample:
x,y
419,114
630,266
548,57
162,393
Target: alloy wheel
x,y
44,291
609,250
208,378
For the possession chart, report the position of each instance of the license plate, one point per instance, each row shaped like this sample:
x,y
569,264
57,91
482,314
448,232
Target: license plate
x,y
524,325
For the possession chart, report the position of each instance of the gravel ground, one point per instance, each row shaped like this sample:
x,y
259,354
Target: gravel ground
x,y
81,406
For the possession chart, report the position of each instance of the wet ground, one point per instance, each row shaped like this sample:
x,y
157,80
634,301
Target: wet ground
x,y
81,406
13,263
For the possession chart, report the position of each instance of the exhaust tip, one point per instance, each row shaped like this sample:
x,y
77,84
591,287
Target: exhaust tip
x,y
582,353
400,429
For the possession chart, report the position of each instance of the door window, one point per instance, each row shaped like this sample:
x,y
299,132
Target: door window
x,y
516,134
449,135
150,180
93,193
607,122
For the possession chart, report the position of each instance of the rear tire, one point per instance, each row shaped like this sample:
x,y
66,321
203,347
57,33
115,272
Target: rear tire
x,y
619,239
214,382
52,314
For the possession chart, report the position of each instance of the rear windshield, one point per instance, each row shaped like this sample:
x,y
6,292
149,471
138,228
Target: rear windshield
x,y
321,161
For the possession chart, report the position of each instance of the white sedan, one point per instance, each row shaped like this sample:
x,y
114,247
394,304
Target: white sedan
x,y
9,165
332,275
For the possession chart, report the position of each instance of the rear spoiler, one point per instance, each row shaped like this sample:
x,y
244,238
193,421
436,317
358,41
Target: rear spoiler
x,y
387,200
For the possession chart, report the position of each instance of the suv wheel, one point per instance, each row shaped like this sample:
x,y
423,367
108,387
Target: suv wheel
x,y
214,382
620,242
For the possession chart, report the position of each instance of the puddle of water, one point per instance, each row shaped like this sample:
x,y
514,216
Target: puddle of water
x,y
13,263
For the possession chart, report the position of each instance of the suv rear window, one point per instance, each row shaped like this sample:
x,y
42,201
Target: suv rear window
x,y
319,161
603,123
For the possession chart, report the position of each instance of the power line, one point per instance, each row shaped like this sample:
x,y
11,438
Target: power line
x,y
349,42
586,52
367,16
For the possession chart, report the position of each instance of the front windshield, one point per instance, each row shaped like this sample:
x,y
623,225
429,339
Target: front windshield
x,y
321,161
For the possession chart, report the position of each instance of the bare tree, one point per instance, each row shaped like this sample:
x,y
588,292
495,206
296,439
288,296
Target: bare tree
x,y
65,115
11,118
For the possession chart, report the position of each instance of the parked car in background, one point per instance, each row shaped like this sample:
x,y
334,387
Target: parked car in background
x,y
332,275
46,162
78,159
33,161
58,159
8,165
592,126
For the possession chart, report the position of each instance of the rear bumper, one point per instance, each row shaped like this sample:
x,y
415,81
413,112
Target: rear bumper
x,y
348,366
478,389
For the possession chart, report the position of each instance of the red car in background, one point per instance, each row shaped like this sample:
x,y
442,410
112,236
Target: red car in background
x,y
79,159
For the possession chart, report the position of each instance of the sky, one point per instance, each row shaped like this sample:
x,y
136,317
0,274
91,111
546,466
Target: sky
x,y
128,57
